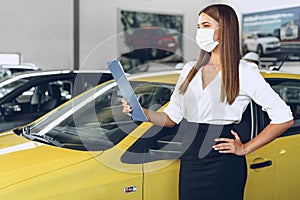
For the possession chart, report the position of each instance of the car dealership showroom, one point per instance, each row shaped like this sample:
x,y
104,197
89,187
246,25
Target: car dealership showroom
x,y
149,100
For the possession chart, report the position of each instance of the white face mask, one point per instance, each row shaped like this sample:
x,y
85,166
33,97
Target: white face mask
x,y
205,39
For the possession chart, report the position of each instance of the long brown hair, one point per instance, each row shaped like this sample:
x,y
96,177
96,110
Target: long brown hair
x,y
229,56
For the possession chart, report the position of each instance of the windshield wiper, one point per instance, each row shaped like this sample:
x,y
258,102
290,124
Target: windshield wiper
x,y
40,138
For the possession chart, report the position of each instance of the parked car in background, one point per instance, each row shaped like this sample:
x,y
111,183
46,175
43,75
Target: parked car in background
x,y
88,149
9,69
154,41
25,97
262,43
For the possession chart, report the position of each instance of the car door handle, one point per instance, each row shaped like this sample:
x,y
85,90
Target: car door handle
x,y
260,165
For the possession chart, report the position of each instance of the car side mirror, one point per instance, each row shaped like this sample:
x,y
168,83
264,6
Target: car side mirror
x,y
274,68
10,108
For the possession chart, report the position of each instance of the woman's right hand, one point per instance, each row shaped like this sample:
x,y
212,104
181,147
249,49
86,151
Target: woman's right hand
x,y
126,108
157,118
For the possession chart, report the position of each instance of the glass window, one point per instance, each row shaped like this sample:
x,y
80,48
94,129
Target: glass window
x,y
165,143
289,91
100,123
5,89
45,96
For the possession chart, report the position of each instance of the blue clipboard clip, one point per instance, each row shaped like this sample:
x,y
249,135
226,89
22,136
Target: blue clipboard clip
x,y
126,90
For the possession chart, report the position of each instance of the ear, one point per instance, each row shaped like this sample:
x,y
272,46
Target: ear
x,y
217,34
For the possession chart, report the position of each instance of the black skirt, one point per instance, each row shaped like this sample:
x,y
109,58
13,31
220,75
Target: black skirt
x,y
206,174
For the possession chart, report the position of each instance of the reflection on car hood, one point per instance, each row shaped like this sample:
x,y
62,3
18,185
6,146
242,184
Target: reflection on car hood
x,y
22,159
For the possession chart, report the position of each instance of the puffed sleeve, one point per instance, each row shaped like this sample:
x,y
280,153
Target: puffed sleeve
x,y
174,109
262,93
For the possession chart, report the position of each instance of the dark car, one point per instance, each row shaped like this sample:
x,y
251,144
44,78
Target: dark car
x,y
25,97
153,41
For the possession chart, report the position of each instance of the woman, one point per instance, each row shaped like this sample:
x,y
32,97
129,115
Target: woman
x,y
213,93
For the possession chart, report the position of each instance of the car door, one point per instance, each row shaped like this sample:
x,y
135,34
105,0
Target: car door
x,y
287,156
261,170
274,169
160,167
287,146
159,149
259,164
123,180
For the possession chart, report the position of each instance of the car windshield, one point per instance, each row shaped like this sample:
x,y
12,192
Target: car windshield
x,y
95,121
10,86
260,35
158,32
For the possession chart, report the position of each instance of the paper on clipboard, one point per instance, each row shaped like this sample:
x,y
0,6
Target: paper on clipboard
x,y
126,90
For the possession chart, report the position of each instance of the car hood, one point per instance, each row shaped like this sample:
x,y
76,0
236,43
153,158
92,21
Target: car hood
x,y
269,39
22,159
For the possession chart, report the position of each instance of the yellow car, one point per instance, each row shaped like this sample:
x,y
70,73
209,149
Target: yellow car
x,y
88,149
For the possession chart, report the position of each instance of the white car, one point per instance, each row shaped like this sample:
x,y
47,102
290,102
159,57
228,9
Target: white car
x,y
262,43
9,69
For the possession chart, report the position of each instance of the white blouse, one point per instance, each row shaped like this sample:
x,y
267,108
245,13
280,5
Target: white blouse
x,y
204,106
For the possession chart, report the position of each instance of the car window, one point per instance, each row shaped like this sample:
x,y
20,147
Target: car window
x,y
45,96
165,143
100,124
25,96
260,35
289,91
5,89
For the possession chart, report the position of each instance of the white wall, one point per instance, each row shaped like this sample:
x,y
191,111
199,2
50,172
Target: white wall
x,y
99,26
41,30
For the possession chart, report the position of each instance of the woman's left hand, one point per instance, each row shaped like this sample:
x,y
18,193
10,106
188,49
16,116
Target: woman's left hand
x,y
228,145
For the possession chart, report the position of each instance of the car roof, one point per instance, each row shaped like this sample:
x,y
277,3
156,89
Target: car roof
x,y
24,67
171,77
279,74
59,71
164,77
21,75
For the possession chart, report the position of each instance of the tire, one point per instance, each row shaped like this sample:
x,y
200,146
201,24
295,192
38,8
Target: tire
x,y
260,50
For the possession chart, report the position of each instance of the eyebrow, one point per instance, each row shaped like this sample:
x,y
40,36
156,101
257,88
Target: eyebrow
x,y
203,23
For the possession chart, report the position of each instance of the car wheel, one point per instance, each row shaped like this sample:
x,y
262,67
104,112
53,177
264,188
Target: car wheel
x,y
260,50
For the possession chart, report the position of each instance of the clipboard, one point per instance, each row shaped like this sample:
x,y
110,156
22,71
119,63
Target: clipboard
x,y
126,90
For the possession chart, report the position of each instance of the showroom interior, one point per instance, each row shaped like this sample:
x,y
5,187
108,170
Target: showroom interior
x,y
63,133
73,34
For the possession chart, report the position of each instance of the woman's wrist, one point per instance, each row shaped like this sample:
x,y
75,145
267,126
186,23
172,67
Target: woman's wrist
x,y
247,149
147,113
